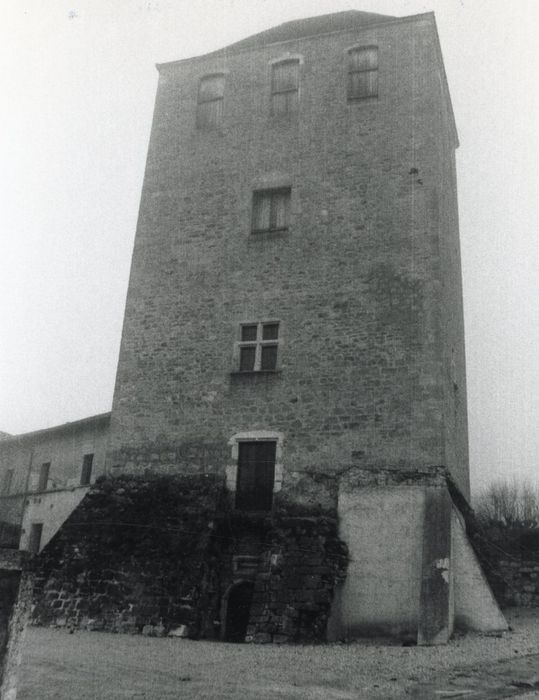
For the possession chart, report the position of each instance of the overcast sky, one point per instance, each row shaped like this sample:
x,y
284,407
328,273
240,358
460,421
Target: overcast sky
x,y
78,87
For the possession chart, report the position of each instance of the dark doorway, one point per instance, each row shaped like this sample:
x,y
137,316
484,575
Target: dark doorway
x,y
237,611
256,475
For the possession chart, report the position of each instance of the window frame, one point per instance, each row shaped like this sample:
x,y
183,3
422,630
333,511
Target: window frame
x,y
354,71
258,344
44,476
271,193
86,469
35,537
296,60
231,469
200,123
246,499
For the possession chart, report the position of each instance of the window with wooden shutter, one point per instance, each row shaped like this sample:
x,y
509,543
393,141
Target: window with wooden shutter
x,y
211,92
34,539
256,475
44,476
86,472
363,72
271,210
285,87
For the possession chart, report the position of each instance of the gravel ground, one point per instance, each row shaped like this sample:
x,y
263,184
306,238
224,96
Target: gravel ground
x,y
91,665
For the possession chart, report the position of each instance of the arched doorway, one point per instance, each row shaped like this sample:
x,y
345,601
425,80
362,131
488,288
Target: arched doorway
x,y
237,606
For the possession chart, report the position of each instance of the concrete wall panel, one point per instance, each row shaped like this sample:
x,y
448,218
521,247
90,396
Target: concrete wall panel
x,y
383,529
475,605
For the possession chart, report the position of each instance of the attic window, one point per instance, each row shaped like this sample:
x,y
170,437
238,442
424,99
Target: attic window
x,y
362,72
285,87
211,92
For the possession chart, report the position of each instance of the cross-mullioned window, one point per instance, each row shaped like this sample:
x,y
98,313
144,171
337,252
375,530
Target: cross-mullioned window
x,y
259,345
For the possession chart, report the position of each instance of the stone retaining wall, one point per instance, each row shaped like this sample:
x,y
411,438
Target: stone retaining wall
x,y
158,554
521,579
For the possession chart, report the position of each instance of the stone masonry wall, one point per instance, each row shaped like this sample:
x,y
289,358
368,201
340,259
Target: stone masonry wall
x,y
355,282
152,554
134,553
521,582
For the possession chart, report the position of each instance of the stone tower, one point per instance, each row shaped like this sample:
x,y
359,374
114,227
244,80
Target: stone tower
x,y
294,316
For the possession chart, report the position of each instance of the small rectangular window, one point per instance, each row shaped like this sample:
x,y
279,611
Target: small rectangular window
x,y
211,92
271,210
249,332
258,347
8,479
363,72
43,476
86,472
270,331
285,87
34,539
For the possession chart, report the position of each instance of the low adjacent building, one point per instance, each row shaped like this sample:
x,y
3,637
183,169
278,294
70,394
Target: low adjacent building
x,y
45,474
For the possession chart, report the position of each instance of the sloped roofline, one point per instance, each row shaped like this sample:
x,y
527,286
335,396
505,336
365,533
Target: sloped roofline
x,y
63,427
234,49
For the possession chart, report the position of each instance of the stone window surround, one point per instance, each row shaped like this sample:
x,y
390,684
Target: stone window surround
x,y
255,436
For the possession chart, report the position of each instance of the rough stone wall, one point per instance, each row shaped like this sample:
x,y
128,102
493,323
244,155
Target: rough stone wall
x,y
151,554
294,588
134,553
355,281
521,582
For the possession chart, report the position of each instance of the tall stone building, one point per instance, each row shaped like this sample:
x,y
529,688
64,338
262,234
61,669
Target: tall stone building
x,y
296,273
294,315
294,322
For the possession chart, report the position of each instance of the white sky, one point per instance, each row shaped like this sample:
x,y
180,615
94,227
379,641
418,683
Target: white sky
x,y
78,86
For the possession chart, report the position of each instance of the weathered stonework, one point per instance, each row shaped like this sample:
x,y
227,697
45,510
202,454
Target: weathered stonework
x,y
346,442
365,282
153,554
521,582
